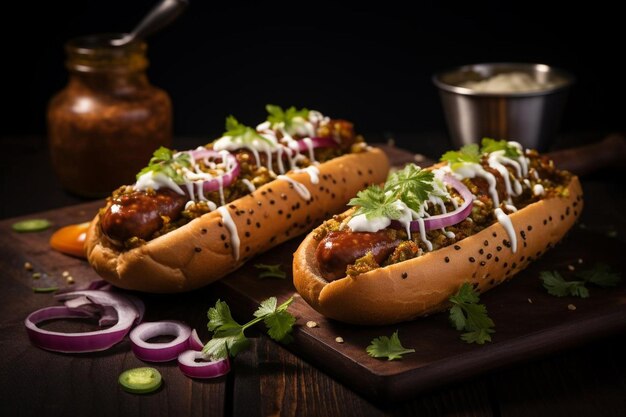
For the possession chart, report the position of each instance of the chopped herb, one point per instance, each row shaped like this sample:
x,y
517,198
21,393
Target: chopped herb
x,y
271,271
228,335
390,348
43,290
242,134
468,153
167,162
600,275
491,145
466,314
276,115
412,184
374,202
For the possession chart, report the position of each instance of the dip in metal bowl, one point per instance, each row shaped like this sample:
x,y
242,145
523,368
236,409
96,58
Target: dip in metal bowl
x,y
529,116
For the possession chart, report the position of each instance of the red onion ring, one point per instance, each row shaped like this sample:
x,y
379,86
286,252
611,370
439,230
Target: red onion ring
x,y
93,341
317,142
160,352
212,369
446,219
228,160
194,341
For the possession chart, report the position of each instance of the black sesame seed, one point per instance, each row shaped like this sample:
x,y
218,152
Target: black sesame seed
x,y
545,222
280,212
324,177
283,196
483,263
486,243
251,211
332,195
496,259
489,256
258,225
248,222
498,248
514,265
322,188
220,224
457,247
404,275
505,265
575,212
289,215
223,237
203,231
247,248
471,259
495,234
529,228
263,192
359,172
269,190
259,203
522,234
198,249
575,204
550,218
562,217
506,243
481,251
492,281
272,202
567,211
522,259
247,234
273,238
447,259
525,244
232,206
226,245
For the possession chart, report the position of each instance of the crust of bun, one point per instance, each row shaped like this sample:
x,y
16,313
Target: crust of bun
x,y
201,251
423,285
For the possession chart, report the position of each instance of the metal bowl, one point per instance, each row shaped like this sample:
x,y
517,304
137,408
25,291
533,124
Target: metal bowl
x,y
529,117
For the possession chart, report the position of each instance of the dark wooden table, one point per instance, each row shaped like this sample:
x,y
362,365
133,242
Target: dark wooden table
x,y
589,380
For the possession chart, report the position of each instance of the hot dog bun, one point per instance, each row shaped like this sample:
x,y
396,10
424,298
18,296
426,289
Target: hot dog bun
x,y
423,285
202,251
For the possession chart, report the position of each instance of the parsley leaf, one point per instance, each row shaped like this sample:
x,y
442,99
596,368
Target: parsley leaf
x,y
411,184
557,286
466,314
600,275
271,271
166,161
277,115
374,202
242,134
468,153
228,335
391,348
491,145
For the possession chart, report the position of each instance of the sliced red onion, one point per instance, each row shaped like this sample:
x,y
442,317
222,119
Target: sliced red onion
x,y
446,219
202,369
229,161
84,341
317,142
160,352
194,341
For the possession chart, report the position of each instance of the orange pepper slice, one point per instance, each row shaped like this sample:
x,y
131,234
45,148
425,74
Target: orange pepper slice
x,y
70,239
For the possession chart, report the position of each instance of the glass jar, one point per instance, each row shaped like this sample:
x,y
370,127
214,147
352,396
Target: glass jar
x,y
105,124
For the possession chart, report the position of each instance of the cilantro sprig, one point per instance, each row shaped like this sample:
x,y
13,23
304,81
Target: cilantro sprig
x,y
411,185
600,275
467,314
387,347
271,271
276,115
167,162
241,133
472,153
228,335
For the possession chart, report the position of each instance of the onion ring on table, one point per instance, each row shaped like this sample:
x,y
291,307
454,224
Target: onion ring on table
x,y
93,341
189,365
160,352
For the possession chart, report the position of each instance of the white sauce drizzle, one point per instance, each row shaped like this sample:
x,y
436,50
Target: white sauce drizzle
x,y
298,186
248,184
538,190
232,229
505,221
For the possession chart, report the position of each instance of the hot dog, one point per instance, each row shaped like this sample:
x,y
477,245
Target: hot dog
x,y
480,216
194,216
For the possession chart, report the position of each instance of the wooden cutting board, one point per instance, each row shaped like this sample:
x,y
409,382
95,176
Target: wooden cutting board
x,y
529,322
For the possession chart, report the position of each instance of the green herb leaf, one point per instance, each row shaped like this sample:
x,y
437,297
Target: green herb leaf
x,y
374,202
557,286
167,162
491,145
600,275
468,153
228,335
242,134
271,271
385,347
276,115
412,184
466,314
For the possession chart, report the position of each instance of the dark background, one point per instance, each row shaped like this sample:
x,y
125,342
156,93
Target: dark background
x,y
369,64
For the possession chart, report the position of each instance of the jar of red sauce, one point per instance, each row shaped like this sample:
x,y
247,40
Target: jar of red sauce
x,y
105,124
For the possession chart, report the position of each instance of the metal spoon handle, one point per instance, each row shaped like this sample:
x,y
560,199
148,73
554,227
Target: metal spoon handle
x,y
160,16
